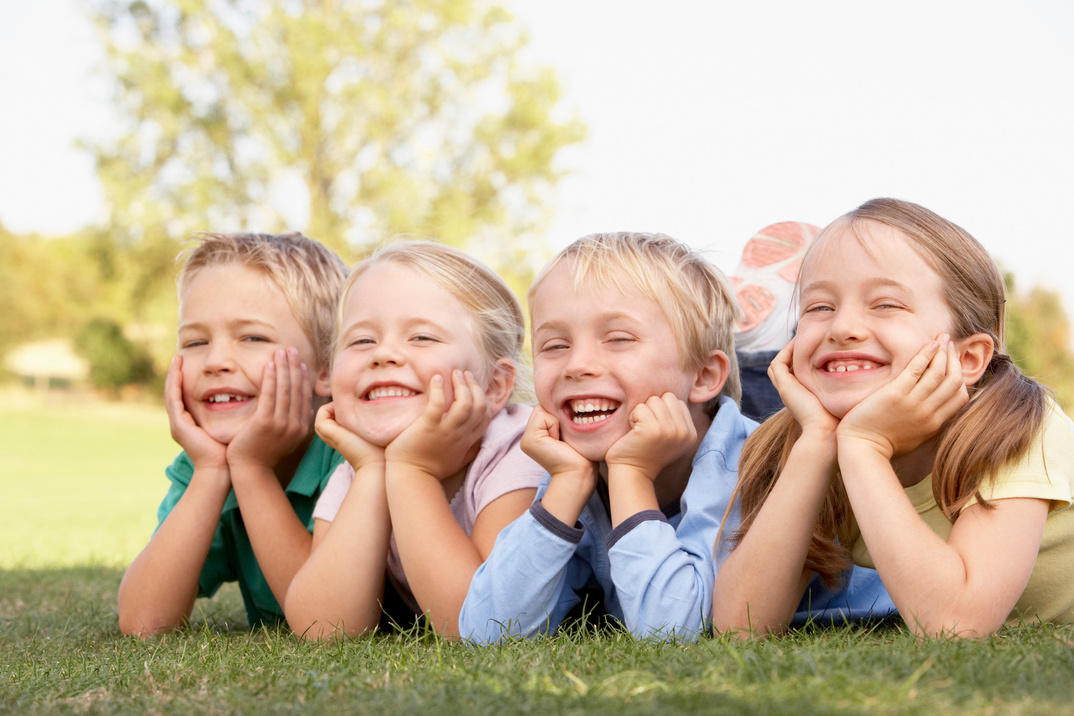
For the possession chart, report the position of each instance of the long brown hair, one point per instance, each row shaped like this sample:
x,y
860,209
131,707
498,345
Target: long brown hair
x,y
995,427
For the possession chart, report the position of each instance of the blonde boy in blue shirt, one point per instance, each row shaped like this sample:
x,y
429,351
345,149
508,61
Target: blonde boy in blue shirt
x,y
255,325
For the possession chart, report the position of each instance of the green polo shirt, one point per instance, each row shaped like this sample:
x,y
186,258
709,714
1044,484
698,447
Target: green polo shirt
x,y
231,556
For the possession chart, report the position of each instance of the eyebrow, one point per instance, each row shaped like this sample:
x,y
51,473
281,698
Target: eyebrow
x,y
560,325
239,323
878,282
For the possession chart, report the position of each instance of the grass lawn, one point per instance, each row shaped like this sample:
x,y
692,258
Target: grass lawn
x,y
81,481
81,489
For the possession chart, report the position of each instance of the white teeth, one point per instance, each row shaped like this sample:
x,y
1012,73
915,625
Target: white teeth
x,y
587,419
585,411
226,398
592,405
392,392
847,366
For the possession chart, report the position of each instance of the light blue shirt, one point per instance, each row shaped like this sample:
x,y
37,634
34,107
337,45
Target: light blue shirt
x,y
656,570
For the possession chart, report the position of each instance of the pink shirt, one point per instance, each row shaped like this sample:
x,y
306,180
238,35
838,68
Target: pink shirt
x,y
500,467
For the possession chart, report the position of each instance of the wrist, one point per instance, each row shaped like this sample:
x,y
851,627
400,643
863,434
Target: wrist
x,y
852,446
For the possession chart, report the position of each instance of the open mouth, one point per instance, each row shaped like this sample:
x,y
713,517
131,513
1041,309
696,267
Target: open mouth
x,y
849,366
228,398
591,410
392,391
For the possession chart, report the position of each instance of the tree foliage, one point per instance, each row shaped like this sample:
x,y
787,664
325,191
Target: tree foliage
x,y
1039,340
114,360
365,119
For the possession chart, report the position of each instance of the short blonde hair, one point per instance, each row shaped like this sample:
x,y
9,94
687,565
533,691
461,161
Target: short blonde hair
x,y
309,275
693,294
494,313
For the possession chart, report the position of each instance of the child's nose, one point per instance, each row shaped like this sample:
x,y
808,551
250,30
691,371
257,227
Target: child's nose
x,y
848,324
386,353
582,361
219,358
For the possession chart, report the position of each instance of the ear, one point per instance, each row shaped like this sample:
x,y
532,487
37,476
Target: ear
x,y
321,386
501,384
710,377
974,353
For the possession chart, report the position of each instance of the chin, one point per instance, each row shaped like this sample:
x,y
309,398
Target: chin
x,y
222,434
375,433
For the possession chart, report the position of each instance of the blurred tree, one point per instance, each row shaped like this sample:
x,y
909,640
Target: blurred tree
x,y
1039,340
362,119
114,360
46,287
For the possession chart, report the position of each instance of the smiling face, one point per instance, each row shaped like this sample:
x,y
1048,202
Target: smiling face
x,y
399,329
866,311
232,320
597,353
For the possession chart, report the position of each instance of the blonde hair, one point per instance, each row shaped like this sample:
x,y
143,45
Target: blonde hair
x,y
308,274
693,294
494,312
996,427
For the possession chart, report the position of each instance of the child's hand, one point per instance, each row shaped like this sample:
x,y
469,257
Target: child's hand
x,y
358,452
661,431
914,406
541,441
283,415
200,447
803,405
444,439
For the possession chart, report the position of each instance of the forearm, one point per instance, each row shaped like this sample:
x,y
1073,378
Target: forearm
x,y
664,585
567,495
340,587
159,588
280,541
933,583
630,491
526,585
761,583
438,558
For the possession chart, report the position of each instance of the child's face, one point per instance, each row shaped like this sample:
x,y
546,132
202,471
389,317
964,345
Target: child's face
x,y
864,314
232,320
399,330
597,353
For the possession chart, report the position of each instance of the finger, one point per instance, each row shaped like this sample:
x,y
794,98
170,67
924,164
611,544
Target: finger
x,y
462,403
437,399
915,369
286,364
677,416
642,415
950,394
326,415
173,386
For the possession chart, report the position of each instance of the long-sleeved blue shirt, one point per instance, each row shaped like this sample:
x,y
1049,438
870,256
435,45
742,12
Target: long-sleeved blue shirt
x,y
656,570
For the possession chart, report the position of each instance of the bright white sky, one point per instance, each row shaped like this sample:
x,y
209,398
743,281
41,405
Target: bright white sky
x,y
707,120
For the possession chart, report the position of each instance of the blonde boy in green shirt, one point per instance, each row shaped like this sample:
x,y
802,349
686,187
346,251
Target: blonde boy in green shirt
x,y
255,325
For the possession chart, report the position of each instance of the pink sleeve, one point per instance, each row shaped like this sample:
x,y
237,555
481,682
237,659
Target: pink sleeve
x,y
334,492
501,466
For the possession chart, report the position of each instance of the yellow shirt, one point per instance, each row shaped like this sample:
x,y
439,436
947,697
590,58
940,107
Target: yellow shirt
x,y
1046,472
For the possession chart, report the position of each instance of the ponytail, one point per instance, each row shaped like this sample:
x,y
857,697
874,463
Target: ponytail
x,y
996,427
